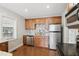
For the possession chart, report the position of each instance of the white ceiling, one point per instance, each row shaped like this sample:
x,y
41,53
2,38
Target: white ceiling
x,y
36,10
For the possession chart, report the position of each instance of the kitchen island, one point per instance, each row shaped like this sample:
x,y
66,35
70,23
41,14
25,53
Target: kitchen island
x,y
68,49
7,45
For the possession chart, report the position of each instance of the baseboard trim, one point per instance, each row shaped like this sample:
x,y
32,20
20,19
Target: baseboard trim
x,y
15,48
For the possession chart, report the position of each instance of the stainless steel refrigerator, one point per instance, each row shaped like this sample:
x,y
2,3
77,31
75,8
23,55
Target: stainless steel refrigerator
x,y
54,35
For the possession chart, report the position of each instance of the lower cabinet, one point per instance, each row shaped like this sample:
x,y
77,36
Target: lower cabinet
x,y
41,41
4,46
24,39
38,41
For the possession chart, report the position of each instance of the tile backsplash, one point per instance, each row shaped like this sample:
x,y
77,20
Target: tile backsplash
x,y
30,32
41,29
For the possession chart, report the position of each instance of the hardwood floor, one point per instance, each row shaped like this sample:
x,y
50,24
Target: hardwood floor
x,y
33,51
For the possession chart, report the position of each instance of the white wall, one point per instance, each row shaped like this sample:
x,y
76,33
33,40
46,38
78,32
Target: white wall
x,y
69,35
20,27
19,42
72,35
65,29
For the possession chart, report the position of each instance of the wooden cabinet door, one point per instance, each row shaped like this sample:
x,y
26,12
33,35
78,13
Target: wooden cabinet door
x,y
37,41
29,24
37,21
33,22
24,39
41,41
47,20
55,20
40,20
4,46
46,41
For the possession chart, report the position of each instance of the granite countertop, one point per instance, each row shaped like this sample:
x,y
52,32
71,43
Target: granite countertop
x,y
6,40
37,35
2,53
68,49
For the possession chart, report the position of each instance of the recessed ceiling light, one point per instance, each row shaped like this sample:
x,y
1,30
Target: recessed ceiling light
x,y
47,6
26,10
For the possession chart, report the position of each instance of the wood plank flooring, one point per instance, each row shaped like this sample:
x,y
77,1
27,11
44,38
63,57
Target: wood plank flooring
x,y
33,51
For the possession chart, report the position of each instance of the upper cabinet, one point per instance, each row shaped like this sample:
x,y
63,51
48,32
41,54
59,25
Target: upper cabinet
x,y
55,20
30,23
72,17
40,20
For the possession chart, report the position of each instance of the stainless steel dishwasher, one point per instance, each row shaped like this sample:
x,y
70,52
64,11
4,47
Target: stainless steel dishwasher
x,y
30,40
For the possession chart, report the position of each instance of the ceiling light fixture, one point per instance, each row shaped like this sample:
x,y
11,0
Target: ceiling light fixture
x,y
26,10
47,6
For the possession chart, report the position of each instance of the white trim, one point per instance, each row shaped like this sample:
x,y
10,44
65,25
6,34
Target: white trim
x,y
73,23
10,50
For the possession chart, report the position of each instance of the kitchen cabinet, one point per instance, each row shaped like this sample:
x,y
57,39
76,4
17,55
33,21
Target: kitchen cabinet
x,y
40,20
47,21
4,46
55,20
29,24
45,41
24,39
41,41
37,41
26,24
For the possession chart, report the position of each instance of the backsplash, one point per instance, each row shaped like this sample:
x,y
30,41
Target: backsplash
x,y
30,32
41,29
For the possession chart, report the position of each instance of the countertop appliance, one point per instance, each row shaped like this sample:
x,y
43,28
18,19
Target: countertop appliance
x,y
54,35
